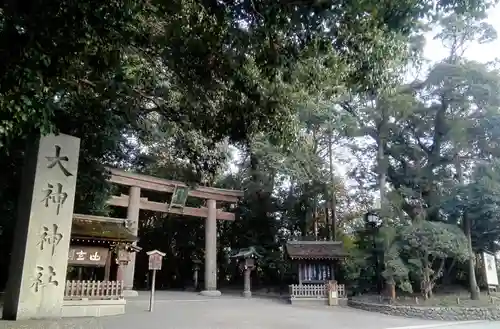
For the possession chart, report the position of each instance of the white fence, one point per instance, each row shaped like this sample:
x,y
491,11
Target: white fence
x,y
75,290
314,291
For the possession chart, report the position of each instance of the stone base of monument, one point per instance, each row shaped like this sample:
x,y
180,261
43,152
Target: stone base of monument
x,y
211,293
247,294
130,293
92,308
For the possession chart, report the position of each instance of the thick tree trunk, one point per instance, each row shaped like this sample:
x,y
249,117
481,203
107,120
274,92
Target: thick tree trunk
x,y
474,288
424,285
467,227
381,176
333,200
328,222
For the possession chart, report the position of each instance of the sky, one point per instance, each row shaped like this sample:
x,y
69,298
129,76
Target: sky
x,y
481,53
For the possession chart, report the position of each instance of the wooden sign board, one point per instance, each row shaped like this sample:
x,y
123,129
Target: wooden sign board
x,y
490,268
155,262
155,259
87,256
179,197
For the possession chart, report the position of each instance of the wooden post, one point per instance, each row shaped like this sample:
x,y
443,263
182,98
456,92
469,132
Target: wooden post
x,y
107,267
155,262
332,290
80,273
301,273
152,294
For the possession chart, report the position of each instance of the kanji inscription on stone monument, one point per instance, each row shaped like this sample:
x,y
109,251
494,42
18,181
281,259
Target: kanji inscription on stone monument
x,y
41,243
50,236
54,195
44,278
57,160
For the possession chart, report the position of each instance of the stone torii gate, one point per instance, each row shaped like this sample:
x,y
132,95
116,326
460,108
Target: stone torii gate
x,y
134,202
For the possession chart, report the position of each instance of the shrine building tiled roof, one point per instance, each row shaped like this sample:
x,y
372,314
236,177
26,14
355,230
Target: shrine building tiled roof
x,y
97,228
315,250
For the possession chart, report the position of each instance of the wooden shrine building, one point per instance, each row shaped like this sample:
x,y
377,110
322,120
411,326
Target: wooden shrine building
x,y
315,263
99,251
95,246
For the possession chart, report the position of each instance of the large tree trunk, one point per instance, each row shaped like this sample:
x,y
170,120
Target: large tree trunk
x,y
381,161
467,227
382,177
426,278
474,288
333,199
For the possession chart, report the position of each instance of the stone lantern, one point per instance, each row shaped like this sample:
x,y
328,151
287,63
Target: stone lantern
x,y
122,251
196,270
246,261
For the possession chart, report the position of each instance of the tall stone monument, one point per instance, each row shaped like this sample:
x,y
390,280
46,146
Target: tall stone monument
x,y
37,273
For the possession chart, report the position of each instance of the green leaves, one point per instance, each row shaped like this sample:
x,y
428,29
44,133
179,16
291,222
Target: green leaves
x,y
435,239
57,46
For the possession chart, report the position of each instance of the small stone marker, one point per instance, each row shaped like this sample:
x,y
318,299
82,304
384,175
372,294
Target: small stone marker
x,y
155,262
37,273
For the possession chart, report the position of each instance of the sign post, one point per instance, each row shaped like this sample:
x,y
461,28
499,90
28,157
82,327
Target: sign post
x,y
155,261
490,271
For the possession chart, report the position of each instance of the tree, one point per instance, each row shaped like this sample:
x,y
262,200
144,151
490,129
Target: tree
x,y
480,200
428,245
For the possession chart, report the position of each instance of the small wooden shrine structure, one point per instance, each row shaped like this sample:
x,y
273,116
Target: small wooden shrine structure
x,y
99,252
98,245
315,263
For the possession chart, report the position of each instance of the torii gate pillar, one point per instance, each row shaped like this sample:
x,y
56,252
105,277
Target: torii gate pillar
x,y
211,251
134,206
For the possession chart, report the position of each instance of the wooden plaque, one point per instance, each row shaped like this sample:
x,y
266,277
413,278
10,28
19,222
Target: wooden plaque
x,y
155,261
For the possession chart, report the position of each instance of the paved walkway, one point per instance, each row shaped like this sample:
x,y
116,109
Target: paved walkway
x,y
183,310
